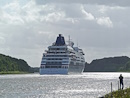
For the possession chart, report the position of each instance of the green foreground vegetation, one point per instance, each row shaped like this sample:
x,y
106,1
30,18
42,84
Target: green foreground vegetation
x,y
119,94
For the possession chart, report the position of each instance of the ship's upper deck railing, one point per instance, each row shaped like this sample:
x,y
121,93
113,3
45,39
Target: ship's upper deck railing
x,y
55,51
51,47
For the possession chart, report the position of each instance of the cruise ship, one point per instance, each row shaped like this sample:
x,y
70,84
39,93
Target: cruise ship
x,y
62,58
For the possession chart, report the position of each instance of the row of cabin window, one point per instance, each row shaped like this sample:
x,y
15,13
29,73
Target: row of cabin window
x,y
58,49
56,55
53,62
55,59
54,67
59,56
72,63
56,52
56,62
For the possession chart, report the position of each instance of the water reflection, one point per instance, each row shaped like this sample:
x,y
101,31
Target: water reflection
x,y
87,85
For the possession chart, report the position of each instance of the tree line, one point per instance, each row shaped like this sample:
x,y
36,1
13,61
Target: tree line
x,y
110,64
8,63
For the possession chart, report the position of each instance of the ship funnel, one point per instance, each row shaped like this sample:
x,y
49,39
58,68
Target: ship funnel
x,y
60,41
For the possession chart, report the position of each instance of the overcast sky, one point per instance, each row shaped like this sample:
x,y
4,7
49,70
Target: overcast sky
x,y
100,27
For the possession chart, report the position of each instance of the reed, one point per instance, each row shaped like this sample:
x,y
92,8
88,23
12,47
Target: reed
x,y
119,94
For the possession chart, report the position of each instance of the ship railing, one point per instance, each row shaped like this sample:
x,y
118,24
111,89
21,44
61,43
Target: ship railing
x,y
56,57
57,50
57,54
53,60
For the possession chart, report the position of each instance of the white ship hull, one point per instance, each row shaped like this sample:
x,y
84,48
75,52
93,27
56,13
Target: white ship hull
x,y
73,69
53,71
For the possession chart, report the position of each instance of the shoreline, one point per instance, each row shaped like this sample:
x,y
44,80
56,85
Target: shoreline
x,y
13,72
22,72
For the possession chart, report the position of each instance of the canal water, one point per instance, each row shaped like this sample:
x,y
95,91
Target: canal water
x,y
86,85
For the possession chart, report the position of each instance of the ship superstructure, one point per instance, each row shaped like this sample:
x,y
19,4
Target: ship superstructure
x,y
62,58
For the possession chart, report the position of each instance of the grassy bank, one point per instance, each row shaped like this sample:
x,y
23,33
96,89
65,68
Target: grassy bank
x,y
119,94
13,72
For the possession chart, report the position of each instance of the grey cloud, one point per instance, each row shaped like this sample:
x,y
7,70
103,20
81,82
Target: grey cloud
x,y
98,2
42,23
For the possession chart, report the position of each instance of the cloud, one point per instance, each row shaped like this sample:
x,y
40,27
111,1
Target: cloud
x,y
2,40
28,28
88,16
104,21
93,2
14,13
53,17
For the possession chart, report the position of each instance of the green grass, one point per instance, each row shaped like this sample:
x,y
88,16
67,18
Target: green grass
x,y
13,72
119,94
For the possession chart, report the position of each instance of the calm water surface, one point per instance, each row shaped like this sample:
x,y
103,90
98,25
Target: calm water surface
x,y
87,85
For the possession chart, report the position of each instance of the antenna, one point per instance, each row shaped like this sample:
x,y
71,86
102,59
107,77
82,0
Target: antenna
x,y
69,40
77,43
